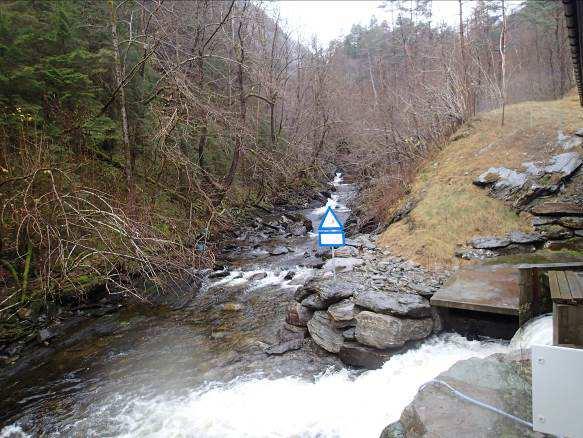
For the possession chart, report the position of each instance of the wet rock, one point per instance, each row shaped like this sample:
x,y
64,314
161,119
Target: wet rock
x,y
284,347
44,335
298,315
579,233
290,275
313,262
314,301
231,307
349,334
297,230
558,209
555,232
437,320
324,333
394,303
357,355
342,311
489,242
386,331
219,274
258,276
289,332
499,380
579,132
278,250
520,237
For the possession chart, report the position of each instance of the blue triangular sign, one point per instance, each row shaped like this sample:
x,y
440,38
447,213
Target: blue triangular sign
x,y
330,221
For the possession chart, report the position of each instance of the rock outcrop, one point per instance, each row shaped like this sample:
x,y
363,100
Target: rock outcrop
x,y
500,380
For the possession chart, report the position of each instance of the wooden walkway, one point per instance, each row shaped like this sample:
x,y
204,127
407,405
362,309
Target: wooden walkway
x,y
566,287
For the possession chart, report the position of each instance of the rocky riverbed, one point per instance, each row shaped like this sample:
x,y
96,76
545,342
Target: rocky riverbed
x,y
227,364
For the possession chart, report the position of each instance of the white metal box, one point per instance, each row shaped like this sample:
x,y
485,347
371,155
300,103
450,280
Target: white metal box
x,y
557,390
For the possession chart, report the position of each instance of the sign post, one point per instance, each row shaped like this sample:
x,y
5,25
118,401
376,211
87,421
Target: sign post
x,y
331,233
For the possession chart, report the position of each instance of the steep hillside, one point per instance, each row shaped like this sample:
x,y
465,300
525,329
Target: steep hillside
x,y
449,209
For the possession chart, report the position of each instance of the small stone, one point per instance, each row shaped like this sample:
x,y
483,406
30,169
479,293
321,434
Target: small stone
x,y
231,307
284,347
298,315
290,275
278,250
520,237
558,209
289,332
44,335
555,232
314,302
342,311
572,222
349,334
258,276
24,312
219,274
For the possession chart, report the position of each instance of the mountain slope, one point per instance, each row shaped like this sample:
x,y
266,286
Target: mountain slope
x,y
450,209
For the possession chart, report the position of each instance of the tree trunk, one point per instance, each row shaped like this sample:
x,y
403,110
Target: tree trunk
x,y
128,153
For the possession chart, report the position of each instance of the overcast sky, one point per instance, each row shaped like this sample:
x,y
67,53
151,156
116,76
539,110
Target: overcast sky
x,y
331,19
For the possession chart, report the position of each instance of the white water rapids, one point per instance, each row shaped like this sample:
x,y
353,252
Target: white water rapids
x,y
335,404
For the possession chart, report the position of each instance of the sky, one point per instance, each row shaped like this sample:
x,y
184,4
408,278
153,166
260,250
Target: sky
x,y
331,19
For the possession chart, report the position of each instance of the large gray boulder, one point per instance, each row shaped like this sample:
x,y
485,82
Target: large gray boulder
x,y
523,238
386,331
332,291
503,381
565,164
324,332
394,303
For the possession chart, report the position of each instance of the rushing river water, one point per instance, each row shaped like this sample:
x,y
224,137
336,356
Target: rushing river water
x,y
202,372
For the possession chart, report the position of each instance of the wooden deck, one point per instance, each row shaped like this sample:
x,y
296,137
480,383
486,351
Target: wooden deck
x,y
482,288
566,287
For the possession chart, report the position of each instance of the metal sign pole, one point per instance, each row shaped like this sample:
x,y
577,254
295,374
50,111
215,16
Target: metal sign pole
x,y
333,264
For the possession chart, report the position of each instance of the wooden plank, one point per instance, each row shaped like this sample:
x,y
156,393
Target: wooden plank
x,y
564,288
575,280
554,286
567,325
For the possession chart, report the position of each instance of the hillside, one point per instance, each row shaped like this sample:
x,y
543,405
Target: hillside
x,y
450,209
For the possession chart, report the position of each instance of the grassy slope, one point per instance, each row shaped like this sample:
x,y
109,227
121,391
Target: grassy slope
x,y
451,209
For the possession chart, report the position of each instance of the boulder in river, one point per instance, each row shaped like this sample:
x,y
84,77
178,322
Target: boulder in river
x,y
500,380
342,311
394,303
278,250
387,331
298,315
324,333
357,355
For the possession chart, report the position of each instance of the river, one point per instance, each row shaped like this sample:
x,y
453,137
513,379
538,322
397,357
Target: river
x,y
202,372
